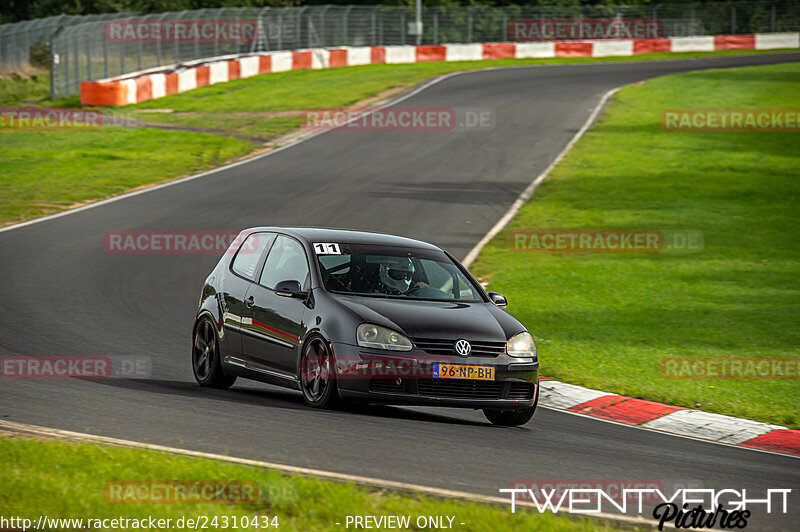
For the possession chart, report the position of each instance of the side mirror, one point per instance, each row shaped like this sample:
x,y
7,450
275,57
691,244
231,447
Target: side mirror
x,y
290,289
498,299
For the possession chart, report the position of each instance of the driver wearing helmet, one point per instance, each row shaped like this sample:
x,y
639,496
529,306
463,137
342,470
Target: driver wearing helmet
x,y
395,277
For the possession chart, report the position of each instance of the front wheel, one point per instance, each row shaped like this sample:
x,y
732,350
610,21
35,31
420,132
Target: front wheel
x,y
512,418
318,374
206,363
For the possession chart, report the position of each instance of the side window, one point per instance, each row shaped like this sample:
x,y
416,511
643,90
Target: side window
x,y
286,262
249,252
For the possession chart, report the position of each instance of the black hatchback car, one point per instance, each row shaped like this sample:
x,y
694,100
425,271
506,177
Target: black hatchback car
x,y
362,316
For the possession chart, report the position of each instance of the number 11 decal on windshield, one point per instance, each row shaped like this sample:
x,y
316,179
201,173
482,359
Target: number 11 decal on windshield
x,y
327,249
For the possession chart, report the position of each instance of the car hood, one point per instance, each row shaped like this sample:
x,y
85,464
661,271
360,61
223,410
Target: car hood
x,y
436,319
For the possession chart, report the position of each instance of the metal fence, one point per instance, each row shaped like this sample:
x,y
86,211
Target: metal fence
x,y
101,46
25,44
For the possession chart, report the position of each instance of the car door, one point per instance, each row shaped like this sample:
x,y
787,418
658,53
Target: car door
x,y
276,321
233,286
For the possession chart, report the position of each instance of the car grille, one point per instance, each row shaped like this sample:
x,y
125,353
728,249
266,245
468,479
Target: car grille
x,y
460,389
521,390
386,386
435,346
455,389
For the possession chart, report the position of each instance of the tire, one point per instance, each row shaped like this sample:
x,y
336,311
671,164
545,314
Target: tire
x,y
206,361
318,374
512,418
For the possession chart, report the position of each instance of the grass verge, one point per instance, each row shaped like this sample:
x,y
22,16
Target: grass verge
x,y
607,320
68,480
48,171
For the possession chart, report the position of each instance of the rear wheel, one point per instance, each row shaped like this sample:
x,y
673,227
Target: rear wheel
x,y
317,374
206,363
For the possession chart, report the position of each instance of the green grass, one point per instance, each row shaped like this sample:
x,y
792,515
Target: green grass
x,y
66,480
606,320
46,171
16,90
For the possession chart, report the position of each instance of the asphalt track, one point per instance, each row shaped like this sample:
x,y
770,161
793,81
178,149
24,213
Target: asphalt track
x,y
62,294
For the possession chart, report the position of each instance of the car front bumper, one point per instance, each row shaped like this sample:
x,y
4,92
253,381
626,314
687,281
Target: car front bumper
x,y
407,378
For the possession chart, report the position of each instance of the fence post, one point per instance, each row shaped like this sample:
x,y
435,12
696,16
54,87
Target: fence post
x,y
772,21
505,24
239,29
280,30
344,25
309,28
299,28
436,24
139,54
324,41
77,62
88,57
220,12
2,49
469,24
121,57
733,19
262,31
403,27
177,51
158,42
51,40
105,55
374,18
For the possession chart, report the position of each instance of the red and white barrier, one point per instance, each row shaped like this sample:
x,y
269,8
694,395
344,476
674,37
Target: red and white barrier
x,y
668,418
156,83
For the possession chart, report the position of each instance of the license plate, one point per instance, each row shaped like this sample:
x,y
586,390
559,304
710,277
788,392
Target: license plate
x,y
460,371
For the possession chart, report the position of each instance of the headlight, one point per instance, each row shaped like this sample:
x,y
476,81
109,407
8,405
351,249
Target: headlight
x,y
377,337
521,345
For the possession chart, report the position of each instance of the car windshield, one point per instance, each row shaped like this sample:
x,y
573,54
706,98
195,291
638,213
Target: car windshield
x,y
393,272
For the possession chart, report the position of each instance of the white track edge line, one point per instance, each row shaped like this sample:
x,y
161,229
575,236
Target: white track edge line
x,y
305,471
528,192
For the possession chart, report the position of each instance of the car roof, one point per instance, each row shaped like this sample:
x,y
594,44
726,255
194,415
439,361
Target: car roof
x,y
315,234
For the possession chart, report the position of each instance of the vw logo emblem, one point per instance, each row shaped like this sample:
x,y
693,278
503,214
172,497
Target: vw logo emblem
x,y
462,348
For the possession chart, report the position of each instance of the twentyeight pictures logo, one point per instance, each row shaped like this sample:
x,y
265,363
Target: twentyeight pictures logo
x,y
683,507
